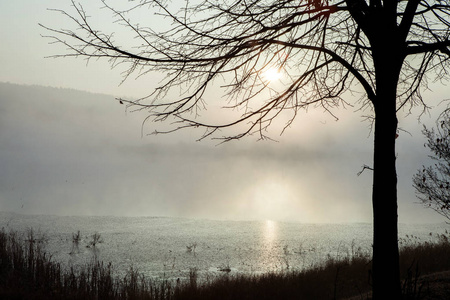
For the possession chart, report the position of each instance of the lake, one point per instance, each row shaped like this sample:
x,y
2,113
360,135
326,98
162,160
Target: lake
x,y
166,247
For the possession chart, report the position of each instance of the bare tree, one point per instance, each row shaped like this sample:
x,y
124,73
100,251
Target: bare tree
x,y
432,183
327,50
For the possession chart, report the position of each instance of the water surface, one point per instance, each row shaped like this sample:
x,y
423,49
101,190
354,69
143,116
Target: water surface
x,y
164,247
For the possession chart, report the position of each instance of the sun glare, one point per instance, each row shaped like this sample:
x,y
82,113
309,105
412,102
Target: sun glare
x,y
272,74
271,199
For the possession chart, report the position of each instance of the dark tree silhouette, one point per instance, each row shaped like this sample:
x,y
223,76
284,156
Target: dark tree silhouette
x,y
432,183
327,50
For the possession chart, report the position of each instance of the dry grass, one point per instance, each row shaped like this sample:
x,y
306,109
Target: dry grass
x,y
26,272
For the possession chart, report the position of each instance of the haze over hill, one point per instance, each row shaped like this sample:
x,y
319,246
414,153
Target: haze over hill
x,y
69,152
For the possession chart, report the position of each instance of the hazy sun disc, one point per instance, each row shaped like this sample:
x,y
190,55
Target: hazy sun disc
x,y
272,74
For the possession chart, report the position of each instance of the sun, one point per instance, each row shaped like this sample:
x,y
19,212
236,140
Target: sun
x,y
272,74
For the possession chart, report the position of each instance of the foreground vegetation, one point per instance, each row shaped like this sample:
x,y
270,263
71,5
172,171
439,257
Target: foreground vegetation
x,y
27,272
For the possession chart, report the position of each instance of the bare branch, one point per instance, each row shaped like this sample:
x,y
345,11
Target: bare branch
x,y
324,48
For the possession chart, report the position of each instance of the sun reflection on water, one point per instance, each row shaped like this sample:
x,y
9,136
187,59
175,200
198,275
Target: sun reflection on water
x,y
271,255
270,232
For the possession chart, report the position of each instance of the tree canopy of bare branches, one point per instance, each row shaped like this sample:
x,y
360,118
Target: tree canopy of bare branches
x,y
324,48
432,183
382,51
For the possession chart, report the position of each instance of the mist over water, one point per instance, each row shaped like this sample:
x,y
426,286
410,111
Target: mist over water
x,y
68,152
165,247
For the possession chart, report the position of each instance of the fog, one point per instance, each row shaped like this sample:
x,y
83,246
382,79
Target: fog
x,y
69,152
67,147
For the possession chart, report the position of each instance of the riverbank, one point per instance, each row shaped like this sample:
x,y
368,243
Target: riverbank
x,y
27,272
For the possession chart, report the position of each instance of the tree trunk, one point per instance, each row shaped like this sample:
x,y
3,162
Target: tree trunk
x,y
385,271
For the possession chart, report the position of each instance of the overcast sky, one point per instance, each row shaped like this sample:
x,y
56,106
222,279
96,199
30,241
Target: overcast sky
x,y
67,147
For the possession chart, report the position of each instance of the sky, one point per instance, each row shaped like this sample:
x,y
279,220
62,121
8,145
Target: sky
x,y
67,147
